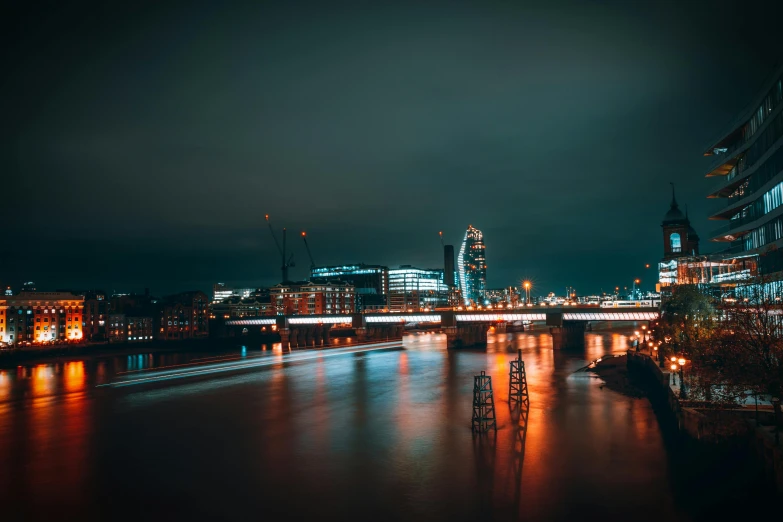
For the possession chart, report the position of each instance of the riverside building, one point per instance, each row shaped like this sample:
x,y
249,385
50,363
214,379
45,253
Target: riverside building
x,y
746,169
41,317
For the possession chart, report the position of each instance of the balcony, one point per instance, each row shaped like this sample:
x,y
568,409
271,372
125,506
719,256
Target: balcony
x,y
726,185
722,163
731,230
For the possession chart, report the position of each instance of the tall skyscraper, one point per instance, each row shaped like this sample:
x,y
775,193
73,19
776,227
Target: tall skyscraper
x,y
472,267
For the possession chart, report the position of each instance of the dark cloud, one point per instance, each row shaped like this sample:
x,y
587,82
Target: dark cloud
x,y
142,144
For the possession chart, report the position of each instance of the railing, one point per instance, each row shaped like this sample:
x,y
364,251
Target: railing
x,y
723,157
729,181
731,225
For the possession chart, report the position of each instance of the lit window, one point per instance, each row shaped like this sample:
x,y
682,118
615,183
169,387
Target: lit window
x,y
674,241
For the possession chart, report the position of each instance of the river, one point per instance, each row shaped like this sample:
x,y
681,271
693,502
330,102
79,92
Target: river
x,y
381,434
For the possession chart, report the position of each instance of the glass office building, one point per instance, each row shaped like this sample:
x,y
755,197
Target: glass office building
x,y
747,166
413,289
371,282
472,267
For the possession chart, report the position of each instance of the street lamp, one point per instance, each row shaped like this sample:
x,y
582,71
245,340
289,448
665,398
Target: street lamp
x,y
682,362
527,286
673,374
644,329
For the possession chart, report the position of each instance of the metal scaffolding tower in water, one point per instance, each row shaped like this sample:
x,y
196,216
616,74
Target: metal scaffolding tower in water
x,y
517,381
483,404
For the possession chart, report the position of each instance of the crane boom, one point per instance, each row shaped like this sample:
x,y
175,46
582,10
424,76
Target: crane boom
x,y
273,235
310,255
286,263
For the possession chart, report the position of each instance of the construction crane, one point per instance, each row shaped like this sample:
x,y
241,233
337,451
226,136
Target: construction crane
x,y
286,263
312,263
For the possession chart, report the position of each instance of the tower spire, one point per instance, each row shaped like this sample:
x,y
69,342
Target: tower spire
x,y
674,199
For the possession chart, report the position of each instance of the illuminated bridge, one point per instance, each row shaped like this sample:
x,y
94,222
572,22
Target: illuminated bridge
x,y
462,328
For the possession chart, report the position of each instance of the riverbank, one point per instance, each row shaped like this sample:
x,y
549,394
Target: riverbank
x,y
614,372
739,429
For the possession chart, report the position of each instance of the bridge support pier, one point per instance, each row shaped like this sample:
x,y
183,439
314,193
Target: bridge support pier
x,y
571,335
379,333
464,335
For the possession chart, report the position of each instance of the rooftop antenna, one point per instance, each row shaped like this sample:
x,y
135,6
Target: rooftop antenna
x,y
441,238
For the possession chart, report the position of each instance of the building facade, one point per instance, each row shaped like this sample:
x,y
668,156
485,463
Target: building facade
x,y
472,267
414,289
679,237
307,298
747,169
182,316
232,307
370,282
123,328
221,291
41,317
96,316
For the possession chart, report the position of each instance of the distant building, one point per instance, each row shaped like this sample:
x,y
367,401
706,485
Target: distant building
x,y
307,297
182,316
682,265
502,296
221,291
123,328
472,267
253,306
679,237
414,289
40,317
96,316
371,283
449,274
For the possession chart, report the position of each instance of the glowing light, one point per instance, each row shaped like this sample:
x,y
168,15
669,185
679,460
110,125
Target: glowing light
x,y
164,374
681,362
674,367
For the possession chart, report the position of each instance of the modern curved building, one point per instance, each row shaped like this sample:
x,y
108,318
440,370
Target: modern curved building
x,y
747,166
472,267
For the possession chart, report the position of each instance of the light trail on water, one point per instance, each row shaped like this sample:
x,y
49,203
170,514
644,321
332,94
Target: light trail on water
x,y
178,372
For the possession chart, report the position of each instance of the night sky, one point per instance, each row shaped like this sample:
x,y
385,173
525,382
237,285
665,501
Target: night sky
x,y
142,146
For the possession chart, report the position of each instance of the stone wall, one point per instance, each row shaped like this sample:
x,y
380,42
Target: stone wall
x,y
694,423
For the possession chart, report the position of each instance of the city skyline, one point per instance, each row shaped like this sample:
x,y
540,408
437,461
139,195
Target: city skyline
x,y
409,260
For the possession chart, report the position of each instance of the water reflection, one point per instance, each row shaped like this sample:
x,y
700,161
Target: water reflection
x,y
350,436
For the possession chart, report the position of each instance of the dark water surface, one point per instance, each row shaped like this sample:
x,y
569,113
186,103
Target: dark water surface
x,y
375,435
